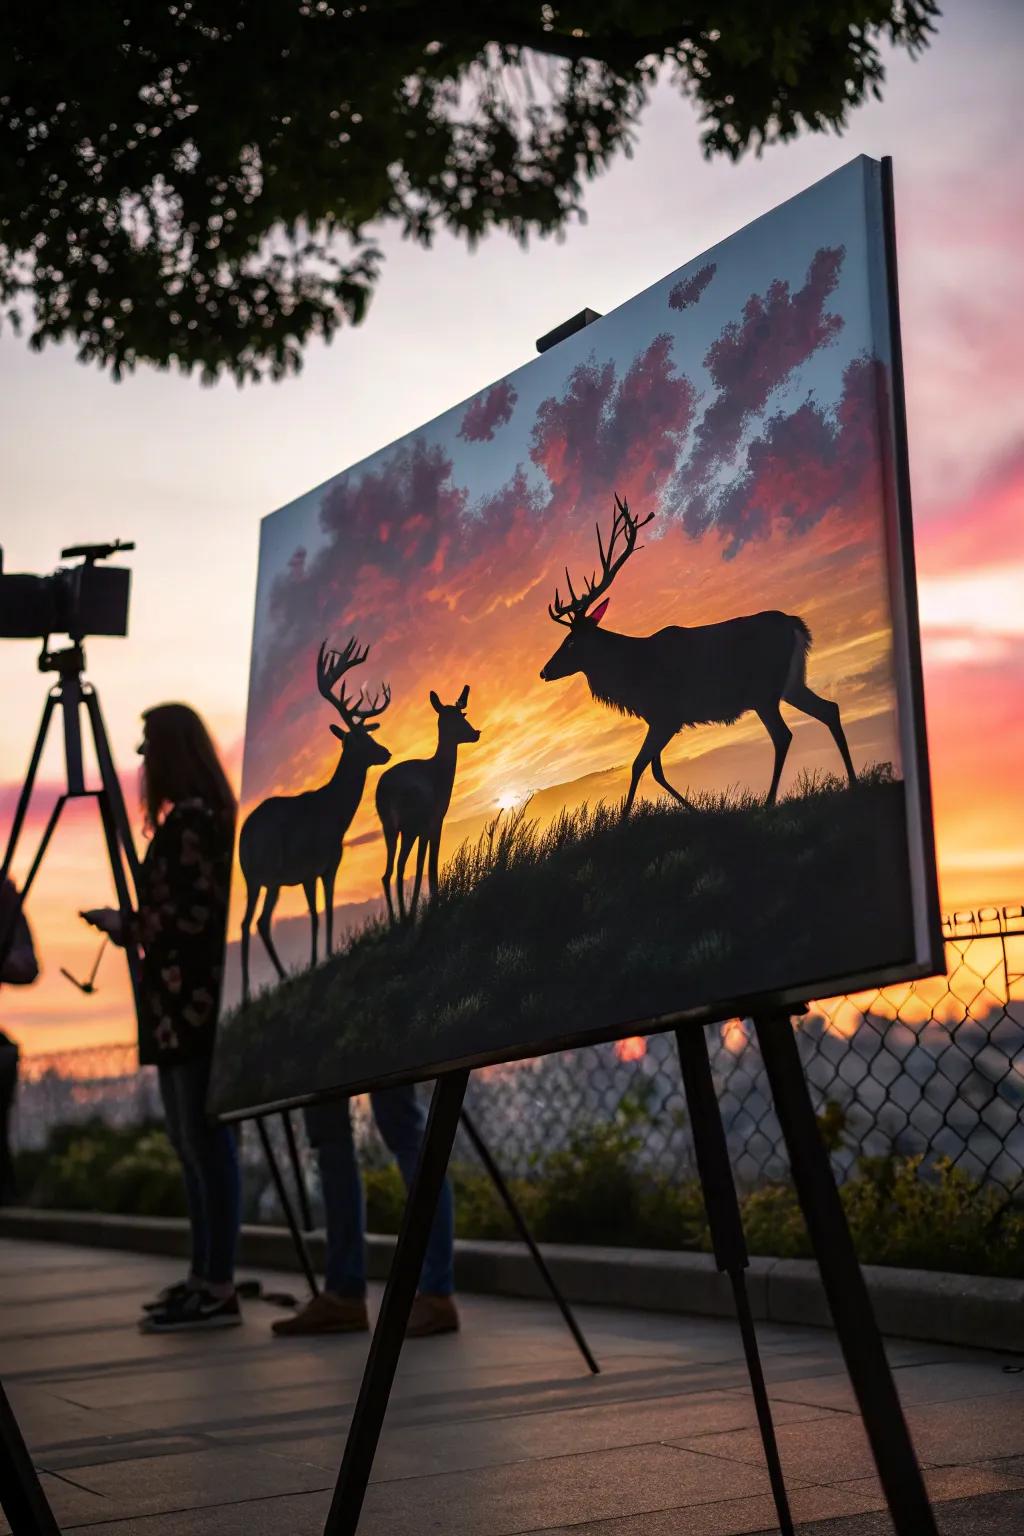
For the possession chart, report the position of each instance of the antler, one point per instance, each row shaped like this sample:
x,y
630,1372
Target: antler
x,y
624,526
360,713
331,666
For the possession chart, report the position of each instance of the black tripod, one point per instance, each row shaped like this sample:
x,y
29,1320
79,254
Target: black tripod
x,y
23,1498
73,694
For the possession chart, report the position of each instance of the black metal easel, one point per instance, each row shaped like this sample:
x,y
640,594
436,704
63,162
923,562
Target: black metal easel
x,y
833,1248
21,1494
297,1227
727,1239
508,1200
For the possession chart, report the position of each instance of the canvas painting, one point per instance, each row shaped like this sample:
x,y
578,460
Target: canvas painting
x,y
589,706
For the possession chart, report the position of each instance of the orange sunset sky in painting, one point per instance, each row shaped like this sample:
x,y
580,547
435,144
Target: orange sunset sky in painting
x,y
189,473
739,401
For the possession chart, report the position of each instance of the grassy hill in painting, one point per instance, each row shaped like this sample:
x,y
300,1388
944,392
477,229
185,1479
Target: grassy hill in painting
x,y
591,923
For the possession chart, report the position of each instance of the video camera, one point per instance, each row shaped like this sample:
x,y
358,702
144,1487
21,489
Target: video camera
x,y
77,600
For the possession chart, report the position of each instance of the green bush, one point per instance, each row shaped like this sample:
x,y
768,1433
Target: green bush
x,y
92,1166
385,1198
595,1189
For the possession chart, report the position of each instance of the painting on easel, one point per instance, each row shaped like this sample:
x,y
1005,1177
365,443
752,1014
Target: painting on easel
x,y
592,705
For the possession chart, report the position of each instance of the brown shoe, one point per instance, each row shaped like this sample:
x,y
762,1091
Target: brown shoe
x,y
326,1313
432,1314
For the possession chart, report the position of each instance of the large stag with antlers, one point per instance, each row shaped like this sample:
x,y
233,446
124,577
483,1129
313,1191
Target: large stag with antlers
x,y
708,675
413,800
298,839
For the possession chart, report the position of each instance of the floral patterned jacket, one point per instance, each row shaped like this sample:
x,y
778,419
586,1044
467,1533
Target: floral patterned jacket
x,y
182,918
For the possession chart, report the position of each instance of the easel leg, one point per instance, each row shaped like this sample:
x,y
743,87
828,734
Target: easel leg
x,y
386,1345
727,1237
21,1494
505,1195
844,1284
286,1206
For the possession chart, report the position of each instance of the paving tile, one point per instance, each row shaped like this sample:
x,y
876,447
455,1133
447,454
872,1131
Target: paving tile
x,y
45,1417
970,1429
822,1451
459,1446
151,1484
566,1490
940,1381
727,1517
292,1515
993,1514
944,1483
71,1504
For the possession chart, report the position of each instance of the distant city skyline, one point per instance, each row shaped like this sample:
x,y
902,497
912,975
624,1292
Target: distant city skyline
x,y
188,471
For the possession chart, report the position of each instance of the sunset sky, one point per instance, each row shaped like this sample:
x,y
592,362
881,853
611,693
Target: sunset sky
x,y
189,472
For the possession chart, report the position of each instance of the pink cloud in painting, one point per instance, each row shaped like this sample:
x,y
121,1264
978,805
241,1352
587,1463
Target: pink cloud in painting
x,y
751,359
687,292
809,463
488,412
604,435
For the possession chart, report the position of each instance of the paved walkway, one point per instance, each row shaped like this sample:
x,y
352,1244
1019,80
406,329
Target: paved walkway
x,y
495,1431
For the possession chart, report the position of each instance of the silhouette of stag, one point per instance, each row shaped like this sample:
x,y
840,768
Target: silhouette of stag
x,y
298,839
706,675
413,799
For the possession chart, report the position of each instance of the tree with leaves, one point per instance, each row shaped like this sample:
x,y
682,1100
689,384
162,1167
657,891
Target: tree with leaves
x,y
202,182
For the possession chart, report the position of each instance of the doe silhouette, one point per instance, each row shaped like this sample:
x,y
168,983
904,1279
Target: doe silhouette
x,y
413,800
298,839
707,674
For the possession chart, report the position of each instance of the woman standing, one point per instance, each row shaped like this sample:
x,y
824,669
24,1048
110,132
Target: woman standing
x,y
180,930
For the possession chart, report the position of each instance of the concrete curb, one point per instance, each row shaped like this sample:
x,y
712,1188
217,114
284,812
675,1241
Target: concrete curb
x,y
971,1310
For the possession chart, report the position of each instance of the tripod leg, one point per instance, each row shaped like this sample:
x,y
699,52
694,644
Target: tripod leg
x,y
286,1206
841,1276
111,783
21,1494
27,787
417,1219
44,843
508,1200
305,1214
727,1237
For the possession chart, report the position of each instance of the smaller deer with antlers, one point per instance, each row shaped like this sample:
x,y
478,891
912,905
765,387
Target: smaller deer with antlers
x,y
298,839
413,800
708,674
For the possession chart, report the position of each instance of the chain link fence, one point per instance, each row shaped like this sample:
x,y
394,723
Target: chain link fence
x,y
935,1068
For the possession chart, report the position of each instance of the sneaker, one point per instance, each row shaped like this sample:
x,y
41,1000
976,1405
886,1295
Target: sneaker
x,y
195,1311
431,1314
325,1313
170,1293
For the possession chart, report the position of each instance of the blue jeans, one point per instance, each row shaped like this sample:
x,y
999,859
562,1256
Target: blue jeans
x,y
401,1121
209,1162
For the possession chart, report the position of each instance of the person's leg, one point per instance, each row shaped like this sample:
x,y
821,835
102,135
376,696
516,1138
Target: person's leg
x,y
212,1150
401,1121
341,1306
329,1129
171,1094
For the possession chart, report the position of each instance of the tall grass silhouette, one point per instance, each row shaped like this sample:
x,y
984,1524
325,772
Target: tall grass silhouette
x,y
588,925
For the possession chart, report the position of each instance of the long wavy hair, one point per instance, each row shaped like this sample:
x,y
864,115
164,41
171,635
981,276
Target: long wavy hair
x,y
181,763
